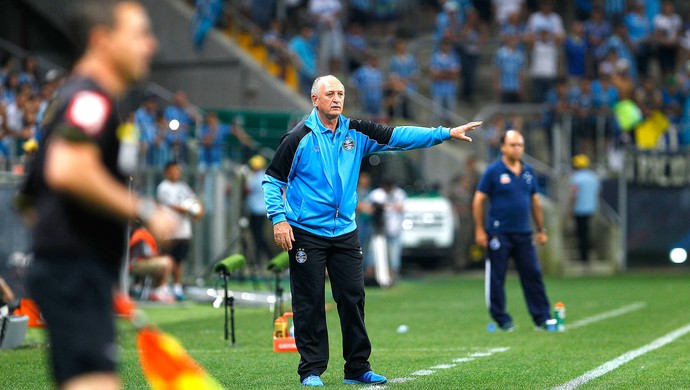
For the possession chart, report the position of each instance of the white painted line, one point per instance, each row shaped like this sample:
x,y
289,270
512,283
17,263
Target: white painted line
x,y
423,349
624,358
384,385
432,370
606,315
401,380
443,366
377,386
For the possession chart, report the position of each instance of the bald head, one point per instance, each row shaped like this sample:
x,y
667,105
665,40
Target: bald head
x,y
324,80
328,98
511,136
512,146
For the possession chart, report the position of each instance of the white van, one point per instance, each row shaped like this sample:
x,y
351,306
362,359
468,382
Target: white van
x,y
428,233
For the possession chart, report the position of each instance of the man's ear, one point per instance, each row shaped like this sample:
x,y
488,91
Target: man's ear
x,y
98,36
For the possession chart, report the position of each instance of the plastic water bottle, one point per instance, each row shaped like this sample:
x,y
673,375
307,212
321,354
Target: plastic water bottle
x,y
559,315
280,327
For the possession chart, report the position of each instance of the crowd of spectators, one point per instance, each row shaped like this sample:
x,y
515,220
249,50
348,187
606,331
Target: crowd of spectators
x,y
165,134
165,127
627,62
581,59
621,66
334,37
24,95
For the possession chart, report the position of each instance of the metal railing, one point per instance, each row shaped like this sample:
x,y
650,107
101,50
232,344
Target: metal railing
x,y
219,233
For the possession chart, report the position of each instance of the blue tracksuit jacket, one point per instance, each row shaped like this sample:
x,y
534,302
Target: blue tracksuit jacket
x,y
318,170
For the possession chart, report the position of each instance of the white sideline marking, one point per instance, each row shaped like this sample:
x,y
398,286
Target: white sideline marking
x,y
423,349
432,370
401,380
443,366
606,315
624,358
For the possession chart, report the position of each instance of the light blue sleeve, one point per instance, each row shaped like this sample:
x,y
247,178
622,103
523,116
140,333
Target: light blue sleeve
x,y
413,137
273,196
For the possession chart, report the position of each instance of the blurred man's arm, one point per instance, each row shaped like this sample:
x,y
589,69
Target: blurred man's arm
x,y
6,294
244,137
478,202
75,168
538,216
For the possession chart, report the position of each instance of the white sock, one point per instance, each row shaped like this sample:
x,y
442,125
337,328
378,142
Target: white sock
x,y
177,288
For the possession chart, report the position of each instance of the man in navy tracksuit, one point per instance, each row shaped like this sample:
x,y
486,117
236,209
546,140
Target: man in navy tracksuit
x,y
511,187
316,167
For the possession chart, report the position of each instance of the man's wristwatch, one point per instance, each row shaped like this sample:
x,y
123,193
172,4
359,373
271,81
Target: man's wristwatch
x,y
542,230
146,207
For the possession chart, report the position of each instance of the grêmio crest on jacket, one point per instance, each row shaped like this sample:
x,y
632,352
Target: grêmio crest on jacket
x,y
348,144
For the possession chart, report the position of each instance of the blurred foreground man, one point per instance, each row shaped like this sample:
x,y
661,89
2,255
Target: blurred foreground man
x,y
76,198
317,166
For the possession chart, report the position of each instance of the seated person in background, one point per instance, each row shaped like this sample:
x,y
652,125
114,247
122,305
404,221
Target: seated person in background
x,y
144,261
6,297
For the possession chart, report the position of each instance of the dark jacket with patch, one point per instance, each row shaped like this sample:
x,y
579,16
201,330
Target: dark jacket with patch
x,y
68,227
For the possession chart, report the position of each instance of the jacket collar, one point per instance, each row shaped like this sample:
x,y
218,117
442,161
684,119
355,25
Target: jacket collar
x,y
313,122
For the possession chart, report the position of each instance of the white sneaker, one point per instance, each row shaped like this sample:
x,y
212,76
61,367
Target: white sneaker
x,y
160,295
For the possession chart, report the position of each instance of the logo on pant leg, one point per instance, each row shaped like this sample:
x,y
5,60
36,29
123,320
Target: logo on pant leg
x,y
495,244
301,255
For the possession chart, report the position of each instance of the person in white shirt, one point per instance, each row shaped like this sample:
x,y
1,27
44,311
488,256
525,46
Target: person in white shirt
x,y
327,16
544,66
667,26
390,201
180,199
504,8
547,20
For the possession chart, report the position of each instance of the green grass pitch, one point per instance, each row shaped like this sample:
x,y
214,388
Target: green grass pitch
x,y
447,345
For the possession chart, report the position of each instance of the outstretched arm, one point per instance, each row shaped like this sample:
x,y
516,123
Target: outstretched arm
x,y
408,137
460,131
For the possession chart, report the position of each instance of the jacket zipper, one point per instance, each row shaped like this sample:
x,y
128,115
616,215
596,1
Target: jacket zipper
x,y
336,182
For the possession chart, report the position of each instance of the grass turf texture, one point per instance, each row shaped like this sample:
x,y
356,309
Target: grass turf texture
x,y
447,321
